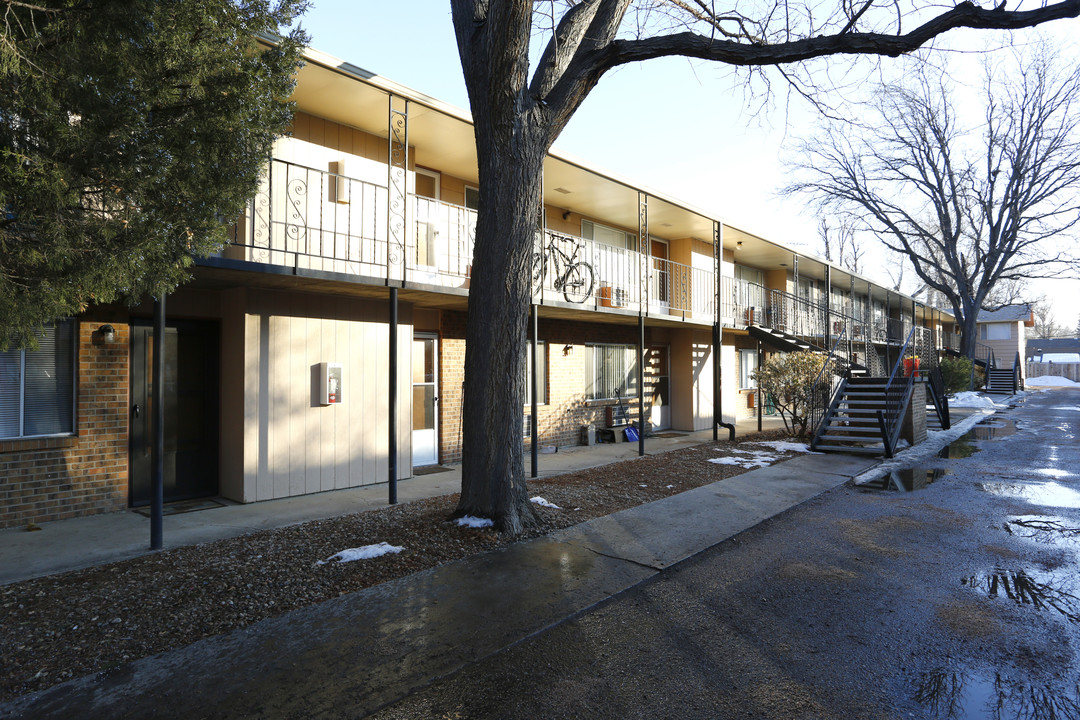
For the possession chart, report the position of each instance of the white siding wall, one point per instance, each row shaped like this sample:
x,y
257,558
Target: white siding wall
x,y
292,444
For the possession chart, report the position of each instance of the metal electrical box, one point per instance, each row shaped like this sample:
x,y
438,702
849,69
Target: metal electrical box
x,y
330,389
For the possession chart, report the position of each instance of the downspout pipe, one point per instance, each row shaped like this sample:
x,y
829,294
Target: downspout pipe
x,y
718,415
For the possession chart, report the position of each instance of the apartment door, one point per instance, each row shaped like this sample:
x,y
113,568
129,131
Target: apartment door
x,y
657,387
425,434
191,411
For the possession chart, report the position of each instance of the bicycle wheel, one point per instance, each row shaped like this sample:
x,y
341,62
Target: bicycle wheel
x,y
538,266
578,282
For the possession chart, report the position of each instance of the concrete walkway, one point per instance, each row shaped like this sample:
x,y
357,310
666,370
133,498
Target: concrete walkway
x,y
350,656
82,542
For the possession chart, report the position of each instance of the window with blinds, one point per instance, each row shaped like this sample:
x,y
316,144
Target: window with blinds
x,y
614,372
37,387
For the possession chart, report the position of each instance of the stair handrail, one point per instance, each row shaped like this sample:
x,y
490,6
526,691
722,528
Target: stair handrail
x,y
890,423
1016,372
817,380
935,381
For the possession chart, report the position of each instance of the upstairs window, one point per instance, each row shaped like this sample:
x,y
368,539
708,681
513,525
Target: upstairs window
x,y
995,331
608,235
37,387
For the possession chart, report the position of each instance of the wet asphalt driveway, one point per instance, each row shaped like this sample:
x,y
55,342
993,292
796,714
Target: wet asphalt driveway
x,y
955,596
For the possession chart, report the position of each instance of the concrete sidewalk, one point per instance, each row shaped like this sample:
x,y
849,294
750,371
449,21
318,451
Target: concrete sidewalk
x,y
82,542
350,656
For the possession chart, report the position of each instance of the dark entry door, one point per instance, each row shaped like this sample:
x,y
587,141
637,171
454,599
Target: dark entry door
x,y
191,411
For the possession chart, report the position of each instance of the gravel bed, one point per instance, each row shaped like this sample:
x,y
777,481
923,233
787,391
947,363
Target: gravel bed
x,y
85,621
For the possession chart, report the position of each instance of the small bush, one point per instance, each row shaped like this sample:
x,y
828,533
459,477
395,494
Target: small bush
x,y
956,372
789,378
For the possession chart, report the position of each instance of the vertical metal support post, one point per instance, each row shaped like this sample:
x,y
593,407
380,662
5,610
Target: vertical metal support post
x,y
851,320
645,272
534,451
718,408
888,333
645,248
718,236
157,499
760,396
397,189
393,398
827,332
641,385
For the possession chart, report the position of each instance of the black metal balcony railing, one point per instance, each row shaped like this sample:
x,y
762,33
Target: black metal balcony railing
x,y
307,218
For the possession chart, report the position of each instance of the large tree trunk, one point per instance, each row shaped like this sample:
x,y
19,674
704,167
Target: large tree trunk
x,y
493,477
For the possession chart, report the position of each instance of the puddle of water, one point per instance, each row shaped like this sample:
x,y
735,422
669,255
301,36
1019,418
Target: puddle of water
x,y
907,480
962,446
993,430
1028,589
1053,472
959,448
1044,528
1051,494
965,694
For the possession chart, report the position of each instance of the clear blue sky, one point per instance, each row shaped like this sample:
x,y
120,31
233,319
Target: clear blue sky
x,y
680,127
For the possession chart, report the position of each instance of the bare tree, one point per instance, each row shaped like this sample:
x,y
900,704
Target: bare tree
x,y
840,244
971,210
519,111
1045,325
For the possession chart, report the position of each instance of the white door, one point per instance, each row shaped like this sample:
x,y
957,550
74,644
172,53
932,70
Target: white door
x,y
425,435
658,389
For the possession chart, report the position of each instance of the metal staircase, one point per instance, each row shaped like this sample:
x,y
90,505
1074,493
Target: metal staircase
x,y
851,423
866,414
1004,380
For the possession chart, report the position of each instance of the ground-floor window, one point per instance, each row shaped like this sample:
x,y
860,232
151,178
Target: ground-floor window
x,y
747,367
614,372
37,387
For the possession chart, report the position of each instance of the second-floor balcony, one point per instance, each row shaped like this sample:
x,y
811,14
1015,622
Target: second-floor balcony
x,y
317,220
314,220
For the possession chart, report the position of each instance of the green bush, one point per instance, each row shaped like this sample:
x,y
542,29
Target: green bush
x,y
956,372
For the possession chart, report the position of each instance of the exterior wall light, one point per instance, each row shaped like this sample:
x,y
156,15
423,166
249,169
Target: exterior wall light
x,y
108,334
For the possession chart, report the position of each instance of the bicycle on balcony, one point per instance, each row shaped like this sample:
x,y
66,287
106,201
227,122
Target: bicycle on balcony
x,y
574,277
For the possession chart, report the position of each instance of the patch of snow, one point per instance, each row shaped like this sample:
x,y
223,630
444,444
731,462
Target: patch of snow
x,y
787,446
755,459
971,399
366,552
669,486
644,486
1050,381
544,503
475,522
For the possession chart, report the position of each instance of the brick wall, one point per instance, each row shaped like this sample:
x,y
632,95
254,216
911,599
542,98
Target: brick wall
x,y
57,478
569,368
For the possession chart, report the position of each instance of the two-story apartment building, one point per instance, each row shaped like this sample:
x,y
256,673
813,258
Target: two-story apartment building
x,y
278,352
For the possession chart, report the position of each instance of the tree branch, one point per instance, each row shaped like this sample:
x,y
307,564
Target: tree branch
x,y
964,15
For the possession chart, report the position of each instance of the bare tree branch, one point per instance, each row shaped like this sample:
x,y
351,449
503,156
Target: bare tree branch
x,y
968,220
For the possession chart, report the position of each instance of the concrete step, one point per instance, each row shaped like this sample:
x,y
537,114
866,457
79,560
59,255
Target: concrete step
x,y
855,449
